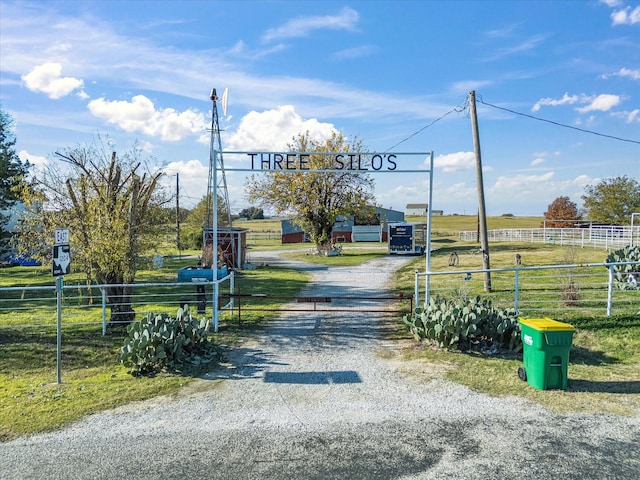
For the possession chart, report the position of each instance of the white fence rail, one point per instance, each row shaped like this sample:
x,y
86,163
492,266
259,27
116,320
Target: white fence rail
x,y
597,237
556,290
36,307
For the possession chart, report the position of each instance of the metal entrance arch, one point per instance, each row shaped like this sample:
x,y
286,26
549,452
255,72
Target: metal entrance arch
x,y
297,162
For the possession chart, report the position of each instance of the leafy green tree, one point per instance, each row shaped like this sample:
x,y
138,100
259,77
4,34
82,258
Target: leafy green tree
x,y
12,172
108,203
199,218
613,200
315,200
561,209
252,213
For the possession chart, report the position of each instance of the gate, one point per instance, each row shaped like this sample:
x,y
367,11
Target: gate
x,y
298,162
387,304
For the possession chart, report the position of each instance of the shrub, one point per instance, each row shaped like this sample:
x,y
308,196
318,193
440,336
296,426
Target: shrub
x,y
462,323
161,342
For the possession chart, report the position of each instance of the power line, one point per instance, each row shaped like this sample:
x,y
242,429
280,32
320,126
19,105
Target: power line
x,y
459,108
559,124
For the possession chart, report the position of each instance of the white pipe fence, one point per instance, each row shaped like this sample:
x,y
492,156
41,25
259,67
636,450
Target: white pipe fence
x,y
35,307
554,290
607,237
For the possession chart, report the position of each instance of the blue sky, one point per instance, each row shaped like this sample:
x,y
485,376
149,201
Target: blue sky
x,y
142,71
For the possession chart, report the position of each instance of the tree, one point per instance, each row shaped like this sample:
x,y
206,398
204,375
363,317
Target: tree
x,y
12,171
199,218
613,200
252,213
561,209
107,202
315,200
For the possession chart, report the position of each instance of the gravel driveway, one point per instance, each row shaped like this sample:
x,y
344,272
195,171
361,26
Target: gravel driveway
x,y
313,397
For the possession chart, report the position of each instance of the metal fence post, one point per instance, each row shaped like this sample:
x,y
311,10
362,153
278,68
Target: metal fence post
x,y
416,287
517,288
59,286
610,290
103,291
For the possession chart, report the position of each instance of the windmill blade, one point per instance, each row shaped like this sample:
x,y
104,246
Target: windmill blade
x,y
224,101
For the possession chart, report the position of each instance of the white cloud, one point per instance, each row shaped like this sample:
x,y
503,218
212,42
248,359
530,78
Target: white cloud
x,y
47,78
537,161
38,163
525,191
193,177
273,130
626,16
356,52
629,117
467,85
624,72
303,26
140,115
455,162
524,46
634,116
397,197
519,183
565,100
612,3
602,103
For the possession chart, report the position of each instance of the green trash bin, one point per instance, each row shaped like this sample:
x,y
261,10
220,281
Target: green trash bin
x,y
546,344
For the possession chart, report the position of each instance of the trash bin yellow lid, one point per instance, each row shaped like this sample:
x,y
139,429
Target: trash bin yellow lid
x,y
545,324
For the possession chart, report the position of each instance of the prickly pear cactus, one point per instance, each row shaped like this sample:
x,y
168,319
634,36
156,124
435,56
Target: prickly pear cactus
x,y
627,275
158,342
450,323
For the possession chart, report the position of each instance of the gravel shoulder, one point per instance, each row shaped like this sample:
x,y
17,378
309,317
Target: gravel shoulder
x,y
313,397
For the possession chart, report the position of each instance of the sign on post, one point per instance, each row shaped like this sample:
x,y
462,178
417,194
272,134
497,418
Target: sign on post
x,y
61,266
61,260
61,252
61,236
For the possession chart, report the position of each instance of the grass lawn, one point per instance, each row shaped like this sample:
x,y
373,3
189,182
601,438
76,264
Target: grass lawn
x,y
30,399
604,370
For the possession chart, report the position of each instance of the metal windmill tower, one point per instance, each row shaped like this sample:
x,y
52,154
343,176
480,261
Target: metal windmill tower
x,y
217,181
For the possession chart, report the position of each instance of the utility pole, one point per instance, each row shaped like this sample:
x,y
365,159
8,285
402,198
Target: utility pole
x,y
178,213
482,215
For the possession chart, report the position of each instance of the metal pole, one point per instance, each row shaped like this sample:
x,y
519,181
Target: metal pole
x,y
610,291
429,216
103,291
632,216
416,287
214,216
59,286
517,289
481,208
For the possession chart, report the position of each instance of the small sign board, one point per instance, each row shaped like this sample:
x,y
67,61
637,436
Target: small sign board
x,y
61,252
61,236
314,299
61,260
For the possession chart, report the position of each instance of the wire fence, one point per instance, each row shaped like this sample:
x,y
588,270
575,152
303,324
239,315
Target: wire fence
x,y
606,237
556,291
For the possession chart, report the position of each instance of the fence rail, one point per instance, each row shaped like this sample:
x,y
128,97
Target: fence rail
x,y
31,306
596,237
554,290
